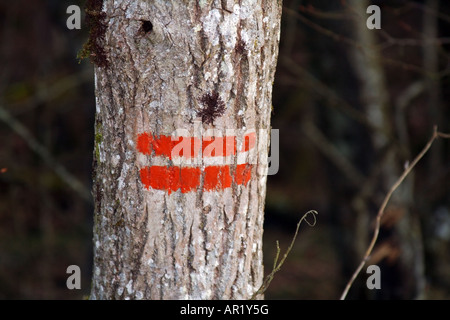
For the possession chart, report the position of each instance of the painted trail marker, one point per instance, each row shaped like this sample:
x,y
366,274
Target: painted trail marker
x,y
189,147
210,150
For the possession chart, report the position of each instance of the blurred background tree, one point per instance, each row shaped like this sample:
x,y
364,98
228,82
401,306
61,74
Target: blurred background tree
x,y
353,105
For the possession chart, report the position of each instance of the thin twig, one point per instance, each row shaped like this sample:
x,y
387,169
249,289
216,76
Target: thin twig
x,y
335,101
335,36
276,265
51,92
367,51
425,8
312,11
333,153
40,150
436,134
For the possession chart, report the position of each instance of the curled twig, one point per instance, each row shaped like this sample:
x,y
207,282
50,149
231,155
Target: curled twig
x,y
277,265
408,169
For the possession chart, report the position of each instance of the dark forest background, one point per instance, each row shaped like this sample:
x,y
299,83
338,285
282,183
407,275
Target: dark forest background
x,y
353,106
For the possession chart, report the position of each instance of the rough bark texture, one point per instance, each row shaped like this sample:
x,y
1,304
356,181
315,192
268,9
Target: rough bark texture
x,y
162,58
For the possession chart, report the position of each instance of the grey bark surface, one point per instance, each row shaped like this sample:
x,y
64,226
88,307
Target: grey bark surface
x,y
151,244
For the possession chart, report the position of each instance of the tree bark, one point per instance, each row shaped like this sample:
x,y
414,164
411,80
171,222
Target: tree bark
x,y
186,67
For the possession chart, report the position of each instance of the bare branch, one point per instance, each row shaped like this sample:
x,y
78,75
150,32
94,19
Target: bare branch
x,y
40,150
406,172
333,153
425,8
53,91
276,265
340,15
335,101
340,38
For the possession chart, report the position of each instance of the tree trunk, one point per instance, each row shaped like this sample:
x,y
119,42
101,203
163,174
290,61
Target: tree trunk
x,y
400,251
171,223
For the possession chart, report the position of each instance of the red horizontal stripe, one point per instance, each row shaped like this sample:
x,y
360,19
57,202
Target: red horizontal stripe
x,y
189,147
217,177
188,179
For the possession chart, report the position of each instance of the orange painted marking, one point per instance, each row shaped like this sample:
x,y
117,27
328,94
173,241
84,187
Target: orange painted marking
x,y
211,146
217,177
170,178
187,179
